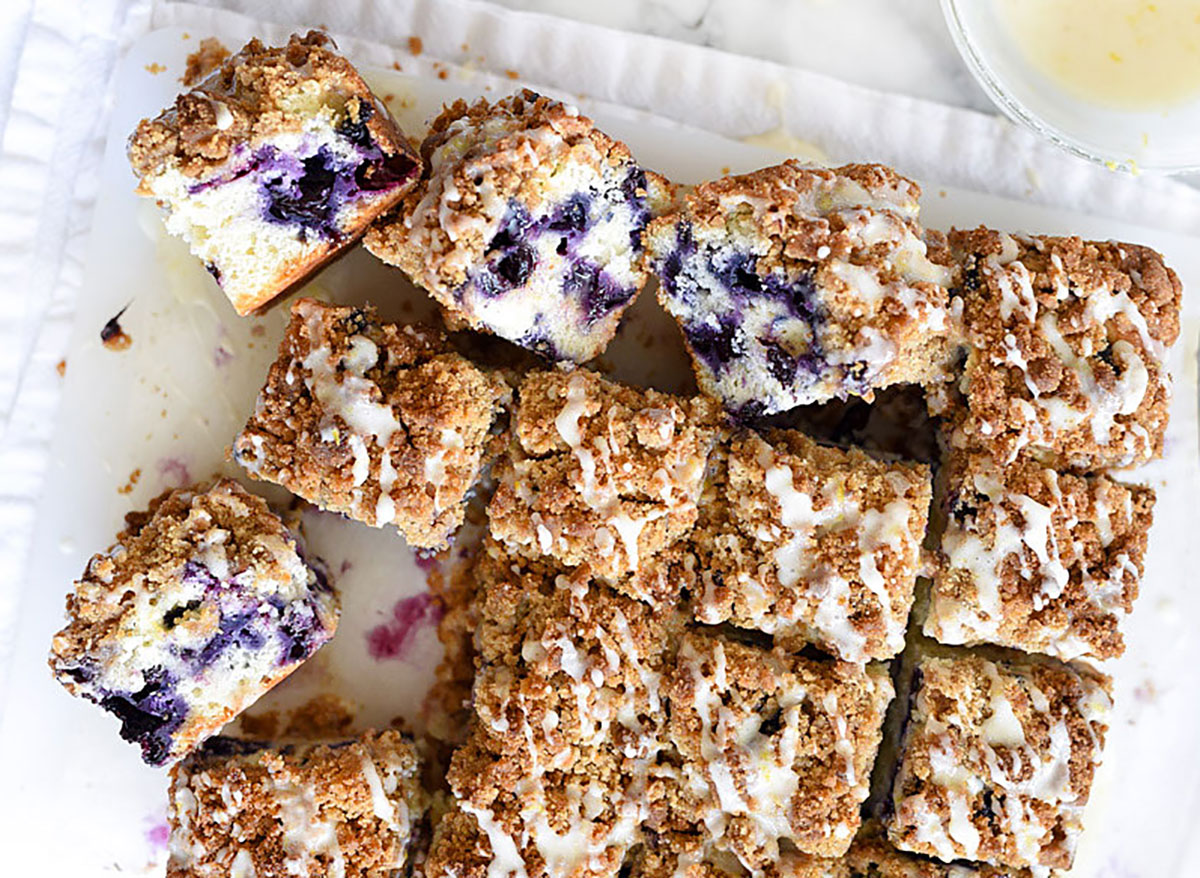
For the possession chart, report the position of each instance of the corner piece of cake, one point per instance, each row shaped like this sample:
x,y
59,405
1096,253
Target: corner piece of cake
x,y
810,545
798,284
528,225
204,603
273,163
1037,560
1066,343
997,759
354,809
383,423
601,472
773,746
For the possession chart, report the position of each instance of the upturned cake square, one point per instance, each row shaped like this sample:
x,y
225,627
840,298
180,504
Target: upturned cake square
x,y
240,809
380,422
600,472
773,746
798,284
1036,559
205,602
1065,342
272,164
997,759
809,544
527,225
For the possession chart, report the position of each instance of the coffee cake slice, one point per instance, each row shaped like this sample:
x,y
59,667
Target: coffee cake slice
x,y
774,746
557,774
809,544
1035,559
1066,342
204,603
600,472
997,759
354,809
798,284
272,164
383,423
528,224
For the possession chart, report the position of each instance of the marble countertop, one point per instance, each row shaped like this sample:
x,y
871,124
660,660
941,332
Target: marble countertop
x,y
900,46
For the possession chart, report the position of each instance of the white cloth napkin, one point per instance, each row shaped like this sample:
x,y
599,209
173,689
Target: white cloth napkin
x,y
61,96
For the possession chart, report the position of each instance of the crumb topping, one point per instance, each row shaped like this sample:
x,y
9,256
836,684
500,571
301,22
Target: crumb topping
x,y
997,760
1066,341
601,472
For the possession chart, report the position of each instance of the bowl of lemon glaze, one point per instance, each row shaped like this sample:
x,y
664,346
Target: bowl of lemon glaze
x,y
1113,81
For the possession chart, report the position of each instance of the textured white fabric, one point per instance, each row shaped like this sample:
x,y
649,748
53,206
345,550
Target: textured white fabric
x,y
53,142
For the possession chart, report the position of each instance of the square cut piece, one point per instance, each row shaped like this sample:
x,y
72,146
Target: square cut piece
x,y
527,225
811,545
1037,560
245,808
555,777
773,746
272,164
204,603
798,284
997,759
383,423
1066,342
601,472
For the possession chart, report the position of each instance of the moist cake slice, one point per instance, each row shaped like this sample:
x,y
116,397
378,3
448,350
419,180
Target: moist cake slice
x,y
273,163
799,284
601,472
380,422
1065,347
204,603
1035,559
997,759
240,809
528,225
810,545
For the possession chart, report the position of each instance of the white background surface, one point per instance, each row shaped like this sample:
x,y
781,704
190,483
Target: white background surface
x,y
51,169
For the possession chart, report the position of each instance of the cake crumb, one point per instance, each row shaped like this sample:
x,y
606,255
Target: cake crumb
x,y
512,74
396,65
415,46
155,68
61,368
133,480
204,60
113,336
442,74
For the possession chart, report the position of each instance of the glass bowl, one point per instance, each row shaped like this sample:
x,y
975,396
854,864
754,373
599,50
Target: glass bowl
x,y
1162,139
